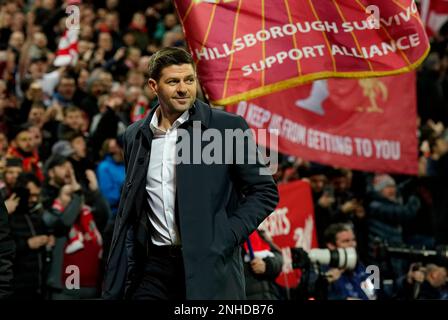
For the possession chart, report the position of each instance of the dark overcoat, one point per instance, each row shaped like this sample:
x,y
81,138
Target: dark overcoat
x,y
217,205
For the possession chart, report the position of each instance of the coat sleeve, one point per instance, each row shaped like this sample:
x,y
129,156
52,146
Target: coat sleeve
x,y
273,265
100,210
7,252
394,212
60,223
260,194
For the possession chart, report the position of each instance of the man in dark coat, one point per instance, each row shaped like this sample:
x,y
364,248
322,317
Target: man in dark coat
x,y
7,251
179,225
32,240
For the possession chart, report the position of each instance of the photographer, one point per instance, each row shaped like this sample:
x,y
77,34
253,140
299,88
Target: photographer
x,y
322,282
346,284
422,283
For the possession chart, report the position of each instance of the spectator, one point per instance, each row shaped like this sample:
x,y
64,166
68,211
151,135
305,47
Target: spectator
x,y
139,30
22,147
323,199
7,253
78,157
73,121
111,173
65,93
32,240
78,240
14,167
263,263
387,216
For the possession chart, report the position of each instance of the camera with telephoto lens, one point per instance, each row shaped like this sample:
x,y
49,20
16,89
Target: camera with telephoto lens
x,y
342,258
438,255
314,280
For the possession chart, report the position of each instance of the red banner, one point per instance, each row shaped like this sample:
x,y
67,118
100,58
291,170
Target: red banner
x,y
365,124
246,49
434,14
292,226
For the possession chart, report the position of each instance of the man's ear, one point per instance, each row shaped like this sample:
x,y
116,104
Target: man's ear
x,y
152,84
331,246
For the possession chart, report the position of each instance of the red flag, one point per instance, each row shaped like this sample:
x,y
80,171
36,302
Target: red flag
x,y
292,225
434,15
365,124
246,49
67,52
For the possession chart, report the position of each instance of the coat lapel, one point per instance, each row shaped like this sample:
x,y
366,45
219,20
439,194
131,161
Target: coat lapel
x,y
139,162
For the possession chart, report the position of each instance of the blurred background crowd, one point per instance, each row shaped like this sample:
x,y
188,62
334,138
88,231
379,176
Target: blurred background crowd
x,y
62,166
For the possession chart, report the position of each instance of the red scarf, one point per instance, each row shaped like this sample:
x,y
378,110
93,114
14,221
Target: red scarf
x,y
29,164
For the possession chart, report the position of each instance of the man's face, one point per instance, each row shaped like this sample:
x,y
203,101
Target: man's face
x,y
318,182
340,184
82,79
36,116
105,41
61,174
345,239
106,81
24,141
34,194
170,21
38,69
139,20
36,137
115,150
390,192
176,88
136,79
79,145
11,174
438,277
73,120
40,39
17,39
67,88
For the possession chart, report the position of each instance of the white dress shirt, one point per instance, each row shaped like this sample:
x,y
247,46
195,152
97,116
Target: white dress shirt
x,y
161,181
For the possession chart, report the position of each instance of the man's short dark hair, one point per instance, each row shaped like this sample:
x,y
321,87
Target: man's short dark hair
x,y
332,231
71,135
17,129
70,109
26,177
38,105
167,57
53,161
